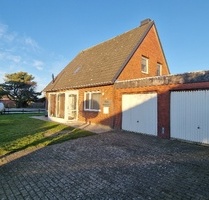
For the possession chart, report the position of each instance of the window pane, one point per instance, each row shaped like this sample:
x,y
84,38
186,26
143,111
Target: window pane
x,y
86,103
159,69
61,106
72,101
144,65
53,104
95,101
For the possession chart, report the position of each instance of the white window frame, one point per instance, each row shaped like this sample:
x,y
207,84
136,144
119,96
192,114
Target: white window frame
x,y
58,106
90,101
159,69
146,65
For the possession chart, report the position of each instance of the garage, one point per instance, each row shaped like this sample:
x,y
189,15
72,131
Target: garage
x,y
189,115
139,113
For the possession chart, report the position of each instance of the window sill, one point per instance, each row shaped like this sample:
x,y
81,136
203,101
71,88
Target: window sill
x,y
91,110
144,72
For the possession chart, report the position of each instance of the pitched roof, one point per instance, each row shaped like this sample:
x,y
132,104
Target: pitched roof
x,y
100,64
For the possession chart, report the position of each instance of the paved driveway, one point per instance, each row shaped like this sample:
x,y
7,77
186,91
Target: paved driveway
x,y
110,166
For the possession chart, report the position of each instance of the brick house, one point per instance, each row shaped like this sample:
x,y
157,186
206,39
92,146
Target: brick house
x,y
7,102
85,90
125,83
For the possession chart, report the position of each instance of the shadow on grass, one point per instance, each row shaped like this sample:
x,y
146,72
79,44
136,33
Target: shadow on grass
x,y
65,134
12,136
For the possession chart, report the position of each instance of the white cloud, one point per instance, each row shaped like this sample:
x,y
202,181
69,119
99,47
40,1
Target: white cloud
x,y
31,43
7,56
10,37
19,52
3,30
19,43
13,58
38,64
5,34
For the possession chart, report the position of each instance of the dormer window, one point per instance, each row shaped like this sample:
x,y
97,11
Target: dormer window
x,y
77,70
144,65
159,69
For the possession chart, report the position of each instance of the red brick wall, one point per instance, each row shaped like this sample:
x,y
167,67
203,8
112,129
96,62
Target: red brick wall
x,y
150,48
98,117
93,116
114,95
9,103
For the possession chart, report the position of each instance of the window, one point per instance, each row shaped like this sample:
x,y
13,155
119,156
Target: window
x,y
144,65
92,101
57,105
61,105
159,69
53,103
87,101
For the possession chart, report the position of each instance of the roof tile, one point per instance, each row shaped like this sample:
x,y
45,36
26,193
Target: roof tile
x,y
100,64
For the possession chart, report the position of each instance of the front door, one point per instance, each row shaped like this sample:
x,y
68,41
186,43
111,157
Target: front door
x,y
72,106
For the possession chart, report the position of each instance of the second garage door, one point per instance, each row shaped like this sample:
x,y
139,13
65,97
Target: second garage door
x,y
190,115
139,113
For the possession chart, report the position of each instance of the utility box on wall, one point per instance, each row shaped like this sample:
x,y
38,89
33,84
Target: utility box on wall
x,y
106,106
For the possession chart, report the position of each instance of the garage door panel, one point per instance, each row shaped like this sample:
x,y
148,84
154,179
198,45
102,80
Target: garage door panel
x,y
139,113
126,107
190,115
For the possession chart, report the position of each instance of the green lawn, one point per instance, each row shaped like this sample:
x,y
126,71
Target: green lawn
x,y
19,131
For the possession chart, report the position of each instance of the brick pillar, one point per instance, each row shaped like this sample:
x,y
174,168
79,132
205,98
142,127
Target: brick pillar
x,y
164,113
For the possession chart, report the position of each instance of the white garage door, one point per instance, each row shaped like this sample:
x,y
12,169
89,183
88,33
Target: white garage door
x,y
139,113
190,115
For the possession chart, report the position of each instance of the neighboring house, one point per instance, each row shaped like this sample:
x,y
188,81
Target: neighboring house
x,y
85,89
7,102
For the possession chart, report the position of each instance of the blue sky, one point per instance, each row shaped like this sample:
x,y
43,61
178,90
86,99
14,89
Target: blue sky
x,y
42,36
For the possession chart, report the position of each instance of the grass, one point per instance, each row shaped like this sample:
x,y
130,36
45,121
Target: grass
x,y
19,132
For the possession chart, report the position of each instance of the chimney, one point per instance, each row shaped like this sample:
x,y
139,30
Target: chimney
x,y
145,21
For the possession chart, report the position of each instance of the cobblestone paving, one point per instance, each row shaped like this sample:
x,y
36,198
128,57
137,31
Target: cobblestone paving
x,y
110,166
